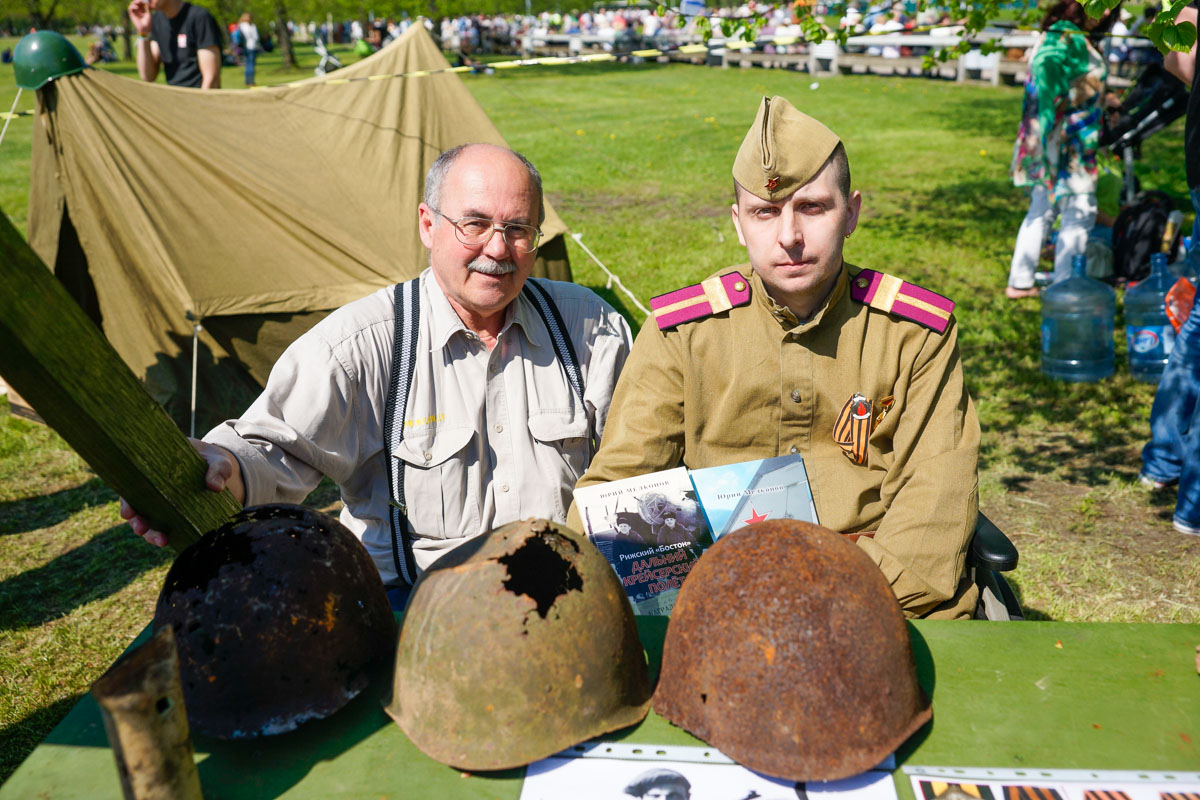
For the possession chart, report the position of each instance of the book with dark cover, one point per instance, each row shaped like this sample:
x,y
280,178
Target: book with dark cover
x,y
651,529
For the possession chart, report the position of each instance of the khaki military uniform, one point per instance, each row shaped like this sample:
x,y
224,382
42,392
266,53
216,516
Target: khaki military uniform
x,y
751,382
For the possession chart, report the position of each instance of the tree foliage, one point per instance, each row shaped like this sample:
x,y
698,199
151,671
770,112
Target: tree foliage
x,y
1163,31
1165,34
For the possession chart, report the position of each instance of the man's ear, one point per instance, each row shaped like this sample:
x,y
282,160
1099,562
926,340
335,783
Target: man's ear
x,y
425,220
737,225
854,209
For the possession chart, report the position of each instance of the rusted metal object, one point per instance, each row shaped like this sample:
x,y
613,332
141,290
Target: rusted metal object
x,y
280,617
141,702
787,651
516,645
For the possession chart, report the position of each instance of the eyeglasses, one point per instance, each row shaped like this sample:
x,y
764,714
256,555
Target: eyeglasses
x,y
476,231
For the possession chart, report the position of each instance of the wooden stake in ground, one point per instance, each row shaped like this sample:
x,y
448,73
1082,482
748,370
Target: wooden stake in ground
x,y
55,357
141,700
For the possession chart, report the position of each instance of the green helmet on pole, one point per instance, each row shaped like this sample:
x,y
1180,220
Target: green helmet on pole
x,y
43,56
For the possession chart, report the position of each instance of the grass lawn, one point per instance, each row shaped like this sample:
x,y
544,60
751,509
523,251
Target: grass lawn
x,y
637,158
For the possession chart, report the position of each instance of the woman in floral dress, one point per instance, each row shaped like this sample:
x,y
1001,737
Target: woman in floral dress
x,y
1055,152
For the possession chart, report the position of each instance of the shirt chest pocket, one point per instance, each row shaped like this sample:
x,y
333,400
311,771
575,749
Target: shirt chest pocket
x,y
441,478
561,448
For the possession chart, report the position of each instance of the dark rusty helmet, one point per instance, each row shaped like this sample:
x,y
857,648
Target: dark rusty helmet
x,y
280,617
788,652
516,645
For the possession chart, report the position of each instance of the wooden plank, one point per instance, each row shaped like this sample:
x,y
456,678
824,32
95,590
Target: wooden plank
x,y
55,357
19,407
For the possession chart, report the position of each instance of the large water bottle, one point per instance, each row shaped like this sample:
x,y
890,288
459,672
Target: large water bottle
x,y
1077,327
1150,334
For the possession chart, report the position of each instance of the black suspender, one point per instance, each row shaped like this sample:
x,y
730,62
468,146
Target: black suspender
x,y
552,319
404,354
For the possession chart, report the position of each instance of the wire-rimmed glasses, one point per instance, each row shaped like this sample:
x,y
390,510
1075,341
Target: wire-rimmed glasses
x,y
476,231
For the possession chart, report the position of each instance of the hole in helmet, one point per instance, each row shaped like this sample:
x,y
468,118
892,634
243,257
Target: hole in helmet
x,y
703,698
163,705
538,570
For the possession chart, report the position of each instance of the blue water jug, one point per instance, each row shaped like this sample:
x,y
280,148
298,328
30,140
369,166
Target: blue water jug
x,y
1147,329
1077,327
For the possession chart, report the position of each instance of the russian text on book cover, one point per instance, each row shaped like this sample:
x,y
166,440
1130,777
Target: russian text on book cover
x,y
651,529
737,495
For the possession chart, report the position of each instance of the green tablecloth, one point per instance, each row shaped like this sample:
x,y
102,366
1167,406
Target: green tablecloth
x,y
1027,694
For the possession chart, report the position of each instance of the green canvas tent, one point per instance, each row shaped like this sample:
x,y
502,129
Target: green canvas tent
x,y
253,213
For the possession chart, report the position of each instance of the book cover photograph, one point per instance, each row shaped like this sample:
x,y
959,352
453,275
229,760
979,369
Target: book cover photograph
x,y
737,495
651,529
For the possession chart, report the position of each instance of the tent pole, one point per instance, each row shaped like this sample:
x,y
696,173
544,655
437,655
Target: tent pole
x,y
195,357
11,111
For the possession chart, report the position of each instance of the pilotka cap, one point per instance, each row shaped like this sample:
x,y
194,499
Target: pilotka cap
x,y
783,150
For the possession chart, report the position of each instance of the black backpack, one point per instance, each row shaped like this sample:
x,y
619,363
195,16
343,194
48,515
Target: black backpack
x,y
1138,234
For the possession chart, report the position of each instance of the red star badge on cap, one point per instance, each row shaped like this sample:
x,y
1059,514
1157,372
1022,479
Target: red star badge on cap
x,y
772,182
754,517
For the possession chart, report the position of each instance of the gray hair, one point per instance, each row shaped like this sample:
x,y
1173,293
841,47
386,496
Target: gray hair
x,y
441,168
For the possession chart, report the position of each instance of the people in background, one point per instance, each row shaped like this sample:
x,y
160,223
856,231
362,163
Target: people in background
x,y
182,39
250,45
1173,453
1054,156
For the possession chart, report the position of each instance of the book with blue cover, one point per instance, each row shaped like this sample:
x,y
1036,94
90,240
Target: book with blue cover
x,y
737,495
653,528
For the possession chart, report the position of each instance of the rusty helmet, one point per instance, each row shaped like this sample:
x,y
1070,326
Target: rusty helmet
x,y
516,645
788,652
280,616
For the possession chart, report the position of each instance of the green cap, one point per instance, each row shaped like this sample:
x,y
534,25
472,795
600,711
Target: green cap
x,y
43,56
783,150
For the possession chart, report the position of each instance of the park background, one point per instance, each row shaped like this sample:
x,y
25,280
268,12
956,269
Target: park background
x,y
636,158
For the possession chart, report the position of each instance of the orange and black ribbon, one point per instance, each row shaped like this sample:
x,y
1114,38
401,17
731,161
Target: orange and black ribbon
x,y
853,428
1030,793
1104,794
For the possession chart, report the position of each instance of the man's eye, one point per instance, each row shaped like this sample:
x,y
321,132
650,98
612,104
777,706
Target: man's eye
x,y
765,213
475,227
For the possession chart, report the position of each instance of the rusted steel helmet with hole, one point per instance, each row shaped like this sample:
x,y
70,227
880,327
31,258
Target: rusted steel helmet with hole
x,y
516,645
788,652
280,616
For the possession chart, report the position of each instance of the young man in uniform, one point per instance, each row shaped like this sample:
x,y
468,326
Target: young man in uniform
x,y
802,352
182,38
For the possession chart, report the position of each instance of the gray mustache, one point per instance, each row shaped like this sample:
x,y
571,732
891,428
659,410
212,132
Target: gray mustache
x,y
490,266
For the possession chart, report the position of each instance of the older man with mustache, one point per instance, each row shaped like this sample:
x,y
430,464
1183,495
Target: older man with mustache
x,y
446,406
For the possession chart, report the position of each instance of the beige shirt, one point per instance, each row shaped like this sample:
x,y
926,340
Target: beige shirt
x,y
754,383
491,436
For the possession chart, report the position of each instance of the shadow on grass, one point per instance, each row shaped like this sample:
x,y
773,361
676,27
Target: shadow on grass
x,y
1079,433
1031,614
967,212
578,71
19,739
1084,433
44,511
102,566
